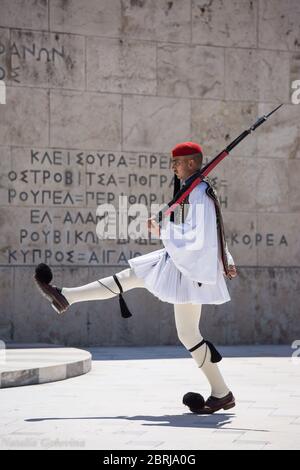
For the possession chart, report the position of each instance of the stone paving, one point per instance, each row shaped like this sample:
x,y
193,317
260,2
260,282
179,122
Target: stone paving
x,y
131,399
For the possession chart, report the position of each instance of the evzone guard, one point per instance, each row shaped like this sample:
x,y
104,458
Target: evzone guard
x,y
188,272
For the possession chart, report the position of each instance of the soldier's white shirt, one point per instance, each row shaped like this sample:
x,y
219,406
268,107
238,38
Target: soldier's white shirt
x,y
191,255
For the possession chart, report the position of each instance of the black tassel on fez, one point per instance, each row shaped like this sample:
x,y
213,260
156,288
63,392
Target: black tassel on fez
x,y
123,306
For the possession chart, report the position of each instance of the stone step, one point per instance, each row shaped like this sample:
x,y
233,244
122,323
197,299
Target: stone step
x,y
33,364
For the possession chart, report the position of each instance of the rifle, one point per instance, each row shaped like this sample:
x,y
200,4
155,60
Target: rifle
x,y
181,194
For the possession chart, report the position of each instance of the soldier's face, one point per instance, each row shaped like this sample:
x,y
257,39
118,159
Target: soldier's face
x,y
183,167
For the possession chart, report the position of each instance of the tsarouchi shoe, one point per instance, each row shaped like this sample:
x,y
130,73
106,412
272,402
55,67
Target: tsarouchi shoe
x,y
214,404
43,277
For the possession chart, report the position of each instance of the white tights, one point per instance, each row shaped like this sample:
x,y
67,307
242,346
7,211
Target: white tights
x,y
187,317
105,288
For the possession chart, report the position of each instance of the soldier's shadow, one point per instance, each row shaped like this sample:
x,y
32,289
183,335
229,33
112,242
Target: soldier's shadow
x,y
185,420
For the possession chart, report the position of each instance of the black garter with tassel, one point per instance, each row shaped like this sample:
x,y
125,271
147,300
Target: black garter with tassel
x,y
123,306
214,353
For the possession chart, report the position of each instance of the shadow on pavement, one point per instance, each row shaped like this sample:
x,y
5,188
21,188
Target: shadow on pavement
x,y
185,420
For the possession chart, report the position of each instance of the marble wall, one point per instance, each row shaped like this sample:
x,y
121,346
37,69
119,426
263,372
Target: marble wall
x,y
97,93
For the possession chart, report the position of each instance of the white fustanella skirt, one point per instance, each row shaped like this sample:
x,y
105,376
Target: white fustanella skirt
x,y
163,279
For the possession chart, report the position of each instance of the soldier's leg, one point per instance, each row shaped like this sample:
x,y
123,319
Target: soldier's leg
x,y
105,288
187,318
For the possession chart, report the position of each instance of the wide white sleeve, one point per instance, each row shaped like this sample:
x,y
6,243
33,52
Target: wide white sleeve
x,y
193,245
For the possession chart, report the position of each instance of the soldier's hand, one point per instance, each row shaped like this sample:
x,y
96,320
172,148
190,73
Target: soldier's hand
x,y
153,227
232,271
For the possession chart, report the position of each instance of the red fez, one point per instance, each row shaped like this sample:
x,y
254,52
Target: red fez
x,y
186,149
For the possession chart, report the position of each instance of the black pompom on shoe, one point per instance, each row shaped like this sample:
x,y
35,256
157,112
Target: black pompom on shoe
x,y
43,273
194,401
